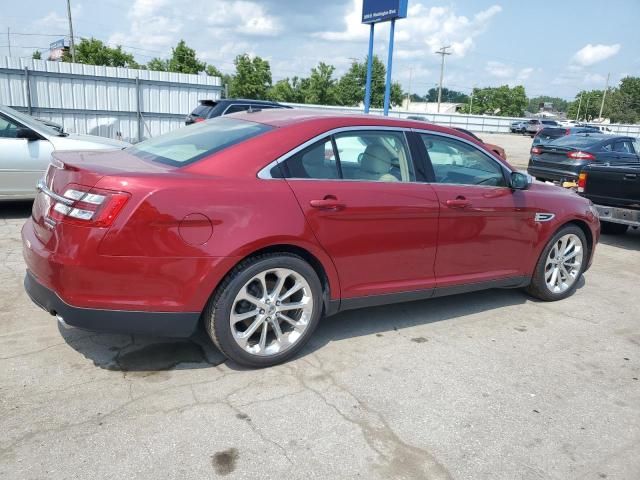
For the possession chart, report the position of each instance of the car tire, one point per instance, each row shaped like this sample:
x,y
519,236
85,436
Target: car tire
x,y
543,276
610,228
262,273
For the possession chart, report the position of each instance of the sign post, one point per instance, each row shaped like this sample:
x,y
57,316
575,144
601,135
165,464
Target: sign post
x,y
376,11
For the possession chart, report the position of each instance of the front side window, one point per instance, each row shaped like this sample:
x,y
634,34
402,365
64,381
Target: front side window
x,y
456,162
188,145
623,147
8,129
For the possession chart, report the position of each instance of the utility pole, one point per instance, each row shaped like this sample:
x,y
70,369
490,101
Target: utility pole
x,y
71,40
579,105
471,104
9,39
586,110
409,91
604,95
442,52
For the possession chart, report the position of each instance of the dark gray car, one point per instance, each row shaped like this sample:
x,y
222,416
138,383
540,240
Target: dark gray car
x,y
563,159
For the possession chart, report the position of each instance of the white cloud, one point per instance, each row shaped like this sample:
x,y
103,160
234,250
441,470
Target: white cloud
x,y
592,54
248,18
507,73
425,28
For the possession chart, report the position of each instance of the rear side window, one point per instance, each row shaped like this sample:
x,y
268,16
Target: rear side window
x,y
188,145
623,147
236,108
315,162
8,129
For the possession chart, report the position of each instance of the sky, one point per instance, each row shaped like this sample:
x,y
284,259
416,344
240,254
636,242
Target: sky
x,y
552,47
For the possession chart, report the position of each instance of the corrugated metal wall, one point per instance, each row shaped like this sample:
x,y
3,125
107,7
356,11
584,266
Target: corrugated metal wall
x,y
104,101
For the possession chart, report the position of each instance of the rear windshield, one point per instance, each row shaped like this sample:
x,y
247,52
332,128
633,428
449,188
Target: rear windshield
x,y
577,141
549,122
192,143
202,110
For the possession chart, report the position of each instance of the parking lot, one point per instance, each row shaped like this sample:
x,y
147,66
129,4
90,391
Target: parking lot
x,y
490,385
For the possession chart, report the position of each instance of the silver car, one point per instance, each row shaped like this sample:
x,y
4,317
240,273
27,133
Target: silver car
x,y
26,145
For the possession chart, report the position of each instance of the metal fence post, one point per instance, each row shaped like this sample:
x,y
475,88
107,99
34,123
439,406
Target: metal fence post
x,y
138,111
28,88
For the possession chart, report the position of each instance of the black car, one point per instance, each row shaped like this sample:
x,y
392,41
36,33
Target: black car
x,y
563,159
548,134
216,108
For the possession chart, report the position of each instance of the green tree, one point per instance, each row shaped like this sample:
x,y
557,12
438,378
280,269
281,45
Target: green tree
x,y
448,96
287,90
351,86
212,71
502,101
589,106
92,51
252,78
320,87
559,104
158,65
184,60
623,103
36,55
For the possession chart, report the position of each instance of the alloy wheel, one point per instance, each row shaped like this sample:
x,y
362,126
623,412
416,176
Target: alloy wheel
x,y
271,312
563,264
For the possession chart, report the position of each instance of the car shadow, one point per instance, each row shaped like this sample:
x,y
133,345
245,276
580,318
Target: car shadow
x,y
15,209
137,354
628,241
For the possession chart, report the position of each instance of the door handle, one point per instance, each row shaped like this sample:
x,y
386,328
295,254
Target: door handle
x,y
630,176
459,202
327,203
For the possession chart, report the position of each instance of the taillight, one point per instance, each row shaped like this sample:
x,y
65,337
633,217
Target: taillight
x,y
89,207
582,182
580,155
197,120
536,151
567,132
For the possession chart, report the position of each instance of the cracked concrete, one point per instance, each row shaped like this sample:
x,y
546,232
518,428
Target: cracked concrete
x,y
484,386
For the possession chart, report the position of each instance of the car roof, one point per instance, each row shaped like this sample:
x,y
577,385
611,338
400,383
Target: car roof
x,y
287,117
236,100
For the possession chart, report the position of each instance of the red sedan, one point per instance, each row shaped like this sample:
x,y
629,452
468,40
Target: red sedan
x,y
258,224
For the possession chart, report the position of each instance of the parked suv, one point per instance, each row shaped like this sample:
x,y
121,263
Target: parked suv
x,y
216,108
535,125
549,134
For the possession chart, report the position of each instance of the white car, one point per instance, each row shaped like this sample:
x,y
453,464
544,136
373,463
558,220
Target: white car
x,y
26,145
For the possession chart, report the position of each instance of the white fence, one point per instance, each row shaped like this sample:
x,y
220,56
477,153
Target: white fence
x,y
475,123
112,102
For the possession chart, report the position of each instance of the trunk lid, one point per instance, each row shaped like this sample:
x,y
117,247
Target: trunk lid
x,y
85,169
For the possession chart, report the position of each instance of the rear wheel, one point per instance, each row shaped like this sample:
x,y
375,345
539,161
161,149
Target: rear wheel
x,y
266,310
560,266
611,228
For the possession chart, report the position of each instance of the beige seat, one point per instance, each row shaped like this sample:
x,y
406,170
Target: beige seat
x,y
376,164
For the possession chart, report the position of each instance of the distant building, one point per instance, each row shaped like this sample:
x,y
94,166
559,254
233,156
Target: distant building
x,y
430,107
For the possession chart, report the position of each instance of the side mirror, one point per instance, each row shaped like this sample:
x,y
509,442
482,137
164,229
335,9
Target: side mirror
x,y
27,134
520,181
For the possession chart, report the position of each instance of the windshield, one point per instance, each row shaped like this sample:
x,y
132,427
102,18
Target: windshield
x,y
192,143
31,122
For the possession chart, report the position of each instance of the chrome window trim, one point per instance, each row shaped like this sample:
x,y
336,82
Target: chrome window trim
x,y
234,105
265,172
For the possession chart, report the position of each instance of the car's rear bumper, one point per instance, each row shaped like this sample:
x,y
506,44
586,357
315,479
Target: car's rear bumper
x,y
624,216
552,174
163,324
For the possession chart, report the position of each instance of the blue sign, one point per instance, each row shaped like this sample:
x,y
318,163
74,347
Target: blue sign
x,y
375,11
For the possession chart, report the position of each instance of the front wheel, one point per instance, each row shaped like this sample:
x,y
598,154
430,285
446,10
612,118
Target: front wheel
x,y
560,266
265,310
